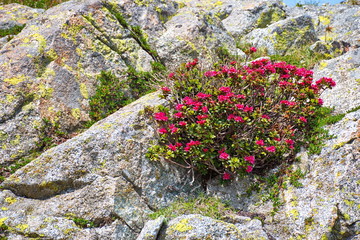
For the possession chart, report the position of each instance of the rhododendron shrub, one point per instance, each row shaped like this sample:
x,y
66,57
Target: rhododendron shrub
x,y
236,119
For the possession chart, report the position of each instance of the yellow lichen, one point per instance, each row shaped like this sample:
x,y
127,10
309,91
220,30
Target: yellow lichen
x,y
22,227
294,213
83,90
75,112
4,209
15,80
2,220
324,20
10,200
182,226
10,98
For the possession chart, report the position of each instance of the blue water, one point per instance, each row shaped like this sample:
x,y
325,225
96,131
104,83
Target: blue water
x,y
292,3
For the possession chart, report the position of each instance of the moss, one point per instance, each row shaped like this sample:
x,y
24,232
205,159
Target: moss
x,y
182,226
76,113
338,145
11,31
2,221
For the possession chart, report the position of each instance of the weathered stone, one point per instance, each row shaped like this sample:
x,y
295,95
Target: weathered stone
x,y
342,21
332,49
101,175
240,17
327,204
345,71
151,229
196,226
14,14
283,35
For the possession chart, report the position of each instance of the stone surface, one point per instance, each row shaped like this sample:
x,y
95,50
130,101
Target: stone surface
x,y
326,207
283,35
151,229
343,20
14,14
196,226
101,175
345,71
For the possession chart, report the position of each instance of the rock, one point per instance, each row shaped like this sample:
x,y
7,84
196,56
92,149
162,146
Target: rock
x,y
332,49
240,17
345,71
342,19
50,69
196,226
283,35
14,14
151,229
327,204
101,175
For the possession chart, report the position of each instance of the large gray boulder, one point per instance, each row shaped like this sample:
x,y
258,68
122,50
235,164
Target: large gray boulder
x,y
345,71
14,14
101,175
282,36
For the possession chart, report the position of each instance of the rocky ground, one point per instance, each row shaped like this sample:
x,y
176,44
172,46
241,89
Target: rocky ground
x,y
49,71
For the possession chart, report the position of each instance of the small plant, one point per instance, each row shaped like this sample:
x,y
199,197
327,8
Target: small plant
x,y
11,31
83,223
237,119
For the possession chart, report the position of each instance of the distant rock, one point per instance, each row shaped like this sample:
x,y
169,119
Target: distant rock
x,y
14,14
282,36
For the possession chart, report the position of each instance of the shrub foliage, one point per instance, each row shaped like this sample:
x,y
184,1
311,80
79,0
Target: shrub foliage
x,y
236,118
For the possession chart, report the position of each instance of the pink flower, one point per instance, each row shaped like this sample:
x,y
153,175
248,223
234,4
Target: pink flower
x,y
202,95
162,130
303,119
161,116
291,146
178,144
182,123
166,89
250,159
238,119
174,130
265,116
201,122
270,149
231,116
249,169
225,89
240,96
224,156
285,83
179,106
179,115
211,74
200,117
248,109
233,63
320,101
226,176
193,143
171,75
189,65
260,142
204,109
289,141
205,150
171,147
239,106
253,49
277,139
187,148
223,98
